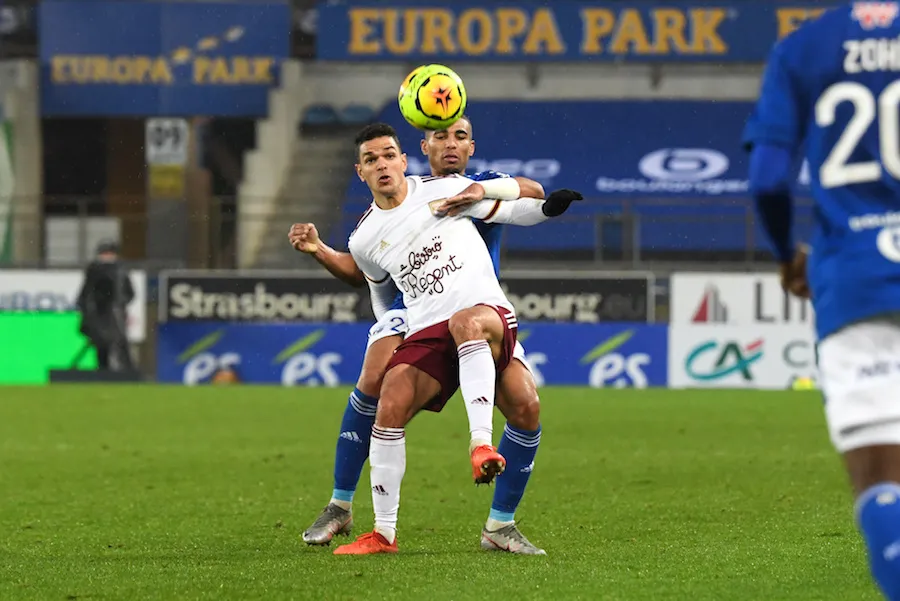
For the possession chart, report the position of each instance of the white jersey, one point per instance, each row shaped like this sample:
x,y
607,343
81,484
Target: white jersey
x,y
440,264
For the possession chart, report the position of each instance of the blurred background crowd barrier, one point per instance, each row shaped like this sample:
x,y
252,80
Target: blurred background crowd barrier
x,y
194,133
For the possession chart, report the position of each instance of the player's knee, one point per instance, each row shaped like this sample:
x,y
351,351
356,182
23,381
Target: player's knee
x,y
391,413
525,415
369,382
465,325
395,407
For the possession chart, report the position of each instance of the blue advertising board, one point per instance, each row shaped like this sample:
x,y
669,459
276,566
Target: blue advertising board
x,y
678,165
101,57
598,355
563,30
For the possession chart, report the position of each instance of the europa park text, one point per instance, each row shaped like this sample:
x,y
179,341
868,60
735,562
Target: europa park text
x,y
513,31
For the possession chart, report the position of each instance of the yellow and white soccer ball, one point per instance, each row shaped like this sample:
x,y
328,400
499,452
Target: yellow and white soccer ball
x,y
803,383
432,97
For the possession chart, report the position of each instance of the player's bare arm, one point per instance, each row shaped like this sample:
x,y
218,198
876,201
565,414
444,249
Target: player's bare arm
x,y
523,211
504,188
529,188
305,238
478,191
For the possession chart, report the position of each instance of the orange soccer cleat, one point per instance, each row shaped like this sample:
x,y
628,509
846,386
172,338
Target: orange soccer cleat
x,y
368,544
486,464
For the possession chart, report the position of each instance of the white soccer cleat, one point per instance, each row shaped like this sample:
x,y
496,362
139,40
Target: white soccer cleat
x,y
333,520
509,539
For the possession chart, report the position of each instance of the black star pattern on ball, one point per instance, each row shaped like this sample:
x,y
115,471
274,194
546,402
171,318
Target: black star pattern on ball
x,y
442,96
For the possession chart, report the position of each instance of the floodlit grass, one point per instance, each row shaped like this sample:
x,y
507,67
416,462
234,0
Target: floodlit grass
x,y
151,492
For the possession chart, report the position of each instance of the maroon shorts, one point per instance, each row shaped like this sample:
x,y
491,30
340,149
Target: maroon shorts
x,y
433,351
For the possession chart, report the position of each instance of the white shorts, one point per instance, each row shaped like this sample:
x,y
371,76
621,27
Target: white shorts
x,y
519,353
392,323
859,369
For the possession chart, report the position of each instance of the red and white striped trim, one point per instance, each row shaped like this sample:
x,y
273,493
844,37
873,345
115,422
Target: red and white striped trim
x,y
473,346
388,434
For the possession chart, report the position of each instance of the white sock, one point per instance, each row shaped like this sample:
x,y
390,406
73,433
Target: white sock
x,y
493,525
478,381
387,464
345,505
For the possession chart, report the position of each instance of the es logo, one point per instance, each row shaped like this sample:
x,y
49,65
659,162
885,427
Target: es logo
x,y
683,164
710,362
297,363
304,367
609,368
200,364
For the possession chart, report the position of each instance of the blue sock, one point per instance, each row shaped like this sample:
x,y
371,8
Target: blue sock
x,y
353,444
878,517
518,447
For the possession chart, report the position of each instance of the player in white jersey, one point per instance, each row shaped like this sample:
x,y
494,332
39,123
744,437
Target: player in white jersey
x,y
448,153
462,329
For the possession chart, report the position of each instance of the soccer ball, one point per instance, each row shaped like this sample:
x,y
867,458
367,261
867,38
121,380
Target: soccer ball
x,y
432,97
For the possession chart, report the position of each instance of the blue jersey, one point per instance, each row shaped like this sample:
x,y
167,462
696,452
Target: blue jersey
x,y
833,88
491,233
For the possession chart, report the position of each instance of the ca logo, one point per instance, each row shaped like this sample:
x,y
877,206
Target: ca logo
x,y
731,359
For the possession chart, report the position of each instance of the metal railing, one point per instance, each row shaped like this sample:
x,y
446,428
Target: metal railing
x,y
620,233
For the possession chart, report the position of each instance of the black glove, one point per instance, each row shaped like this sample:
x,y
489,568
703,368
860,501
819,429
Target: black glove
x,y
558,202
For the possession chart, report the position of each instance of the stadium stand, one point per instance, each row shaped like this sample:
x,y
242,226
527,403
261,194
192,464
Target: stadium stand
x,y
677,194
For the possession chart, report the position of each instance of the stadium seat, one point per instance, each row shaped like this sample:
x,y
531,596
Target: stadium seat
x,y
357,115
319,117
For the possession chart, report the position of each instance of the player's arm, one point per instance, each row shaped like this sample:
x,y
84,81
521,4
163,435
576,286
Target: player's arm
x,y
382,290
528,188
382,294
494,186
340,264
305,238
524,211
773,134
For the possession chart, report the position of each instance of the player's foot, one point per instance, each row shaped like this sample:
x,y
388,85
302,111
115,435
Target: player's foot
x,y
509,539
333,520
368,544
486,463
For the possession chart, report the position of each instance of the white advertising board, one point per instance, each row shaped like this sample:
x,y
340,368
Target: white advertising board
x,y
166,141
745,299
721,356
57,290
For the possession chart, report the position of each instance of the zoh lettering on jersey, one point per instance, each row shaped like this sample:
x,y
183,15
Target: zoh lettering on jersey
x,y
875,14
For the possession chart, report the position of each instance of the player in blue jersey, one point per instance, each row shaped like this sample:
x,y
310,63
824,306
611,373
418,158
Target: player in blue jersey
x,y
834,86
448,153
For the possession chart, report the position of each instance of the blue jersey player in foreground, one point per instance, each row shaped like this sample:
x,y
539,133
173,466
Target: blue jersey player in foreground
x,y
448,153
834,84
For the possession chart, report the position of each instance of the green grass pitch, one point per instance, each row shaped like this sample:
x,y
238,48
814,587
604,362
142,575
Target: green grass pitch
x,y
155,492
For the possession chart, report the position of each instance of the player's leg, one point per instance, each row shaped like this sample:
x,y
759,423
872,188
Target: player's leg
x,y
479,333
860,379
359,417
518,400
352,447
418,373
406,389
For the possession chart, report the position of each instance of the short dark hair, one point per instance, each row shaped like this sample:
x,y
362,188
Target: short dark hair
x,y
373,131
